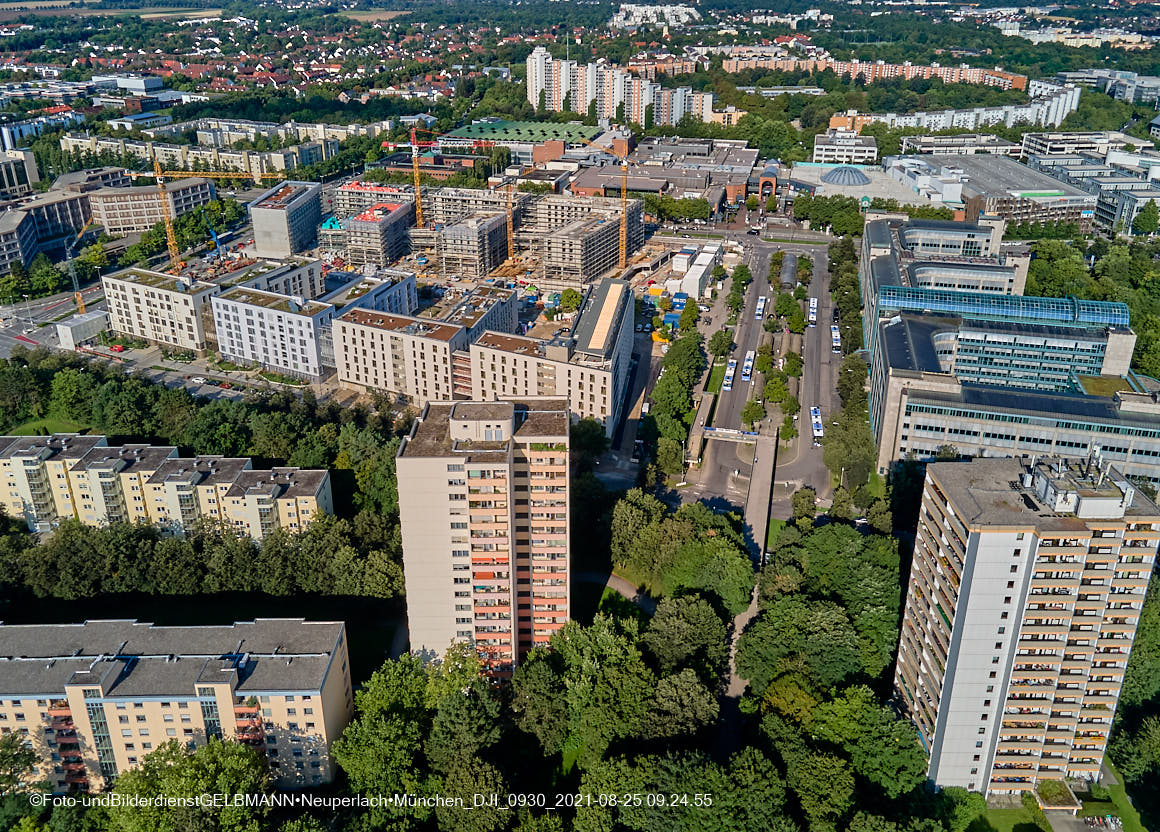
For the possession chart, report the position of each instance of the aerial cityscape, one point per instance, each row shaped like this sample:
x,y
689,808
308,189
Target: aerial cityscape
x,y
419,415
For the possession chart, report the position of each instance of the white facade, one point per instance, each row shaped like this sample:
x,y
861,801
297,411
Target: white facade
x,y
272,331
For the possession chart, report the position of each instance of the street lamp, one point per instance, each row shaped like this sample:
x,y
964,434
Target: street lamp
x,y
28,310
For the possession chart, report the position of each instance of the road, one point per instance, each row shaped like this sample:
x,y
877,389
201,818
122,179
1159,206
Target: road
x,y
726,467
27,323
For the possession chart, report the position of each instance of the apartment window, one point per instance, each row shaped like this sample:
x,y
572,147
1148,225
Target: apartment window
x,y
991,675
1016,553
990,688
1007,599
986,703
1003,616
1002,630
123,720
1014,568
979,744
126,732
994,660
1010,585
141,718
983,730
1019,536
171,732
975,758
998,646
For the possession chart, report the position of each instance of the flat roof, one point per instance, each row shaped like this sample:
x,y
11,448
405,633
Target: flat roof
x,y
989,492
162,281
276,302
378,211
992,175
535,418
519,344
527,131
418,327
282,194
595,328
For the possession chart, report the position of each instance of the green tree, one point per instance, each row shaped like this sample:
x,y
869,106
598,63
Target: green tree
x,y
681,706
1147,219
688,319
72,395
823,784
804,502
793,364
721,343
589,439
751,202
598,684
752,412
686,632
175,771
17,761
570,300
670,456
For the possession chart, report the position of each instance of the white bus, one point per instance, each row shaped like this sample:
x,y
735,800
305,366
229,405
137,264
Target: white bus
x,y
836,338
730,371
813,318
760,308
747,366
816,422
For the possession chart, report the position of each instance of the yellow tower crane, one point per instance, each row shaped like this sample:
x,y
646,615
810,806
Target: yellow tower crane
x,y
175,261
511,232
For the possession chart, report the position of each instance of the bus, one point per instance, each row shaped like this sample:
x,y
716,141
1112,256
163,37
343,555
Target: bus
x,y
836,338
747,366
760,308
816,423
730,371
813,318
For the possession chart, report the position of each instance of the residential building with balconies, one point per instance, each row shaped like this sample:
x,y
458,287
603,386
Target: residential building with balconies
x,y
483,504
1022,605
95,699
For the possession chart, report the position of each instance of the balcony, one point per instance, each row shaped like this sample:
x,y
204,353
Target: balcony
x,y
77,778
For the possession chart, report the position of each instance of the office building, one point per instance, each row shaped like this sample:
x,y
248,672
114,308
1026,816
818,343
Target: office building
x,y
873,71
286,218
94,699
66,476
90,179
484,511
135,209
18,239
843,147
1024,596
160,308
378,235
1074,142
961,363
18,173
997,186
1122,85
586,361
966,144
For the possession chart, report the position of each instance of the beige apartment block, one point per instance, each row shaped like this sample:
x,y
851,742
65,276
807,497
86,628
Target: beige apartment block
x,y
483,503
282,498
588,364
128,210
399,354
166,310
1024,596
54,478
94,699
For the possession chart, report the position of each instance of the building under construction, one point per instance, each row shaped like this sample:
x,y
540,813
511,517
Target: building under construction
x,y
580,252
379,235
357,196
444,206
474,246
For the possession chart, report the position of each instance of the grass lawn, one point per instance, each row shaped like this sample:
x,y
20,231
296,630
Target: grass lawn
x,y
1119,806
48,425
773,532
1002,820
876,485
716,376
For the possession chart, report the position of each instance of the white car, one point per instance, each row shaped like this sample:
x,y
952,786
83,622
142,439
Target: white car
x,y
198,379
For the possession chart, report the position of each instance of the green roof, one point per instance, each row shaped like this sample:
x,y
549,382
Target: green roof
x,y
527,131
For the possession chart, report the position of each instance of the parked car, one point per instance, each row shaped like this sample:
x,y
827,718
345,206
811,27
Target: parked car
x,y
117,348
640,327
225,385
198,379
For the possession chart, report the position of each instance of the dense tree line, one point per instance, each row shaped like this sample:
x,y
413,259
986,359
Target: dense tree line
x,y
673,408
690,549
275,427
1128,272
1135,743
191,229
